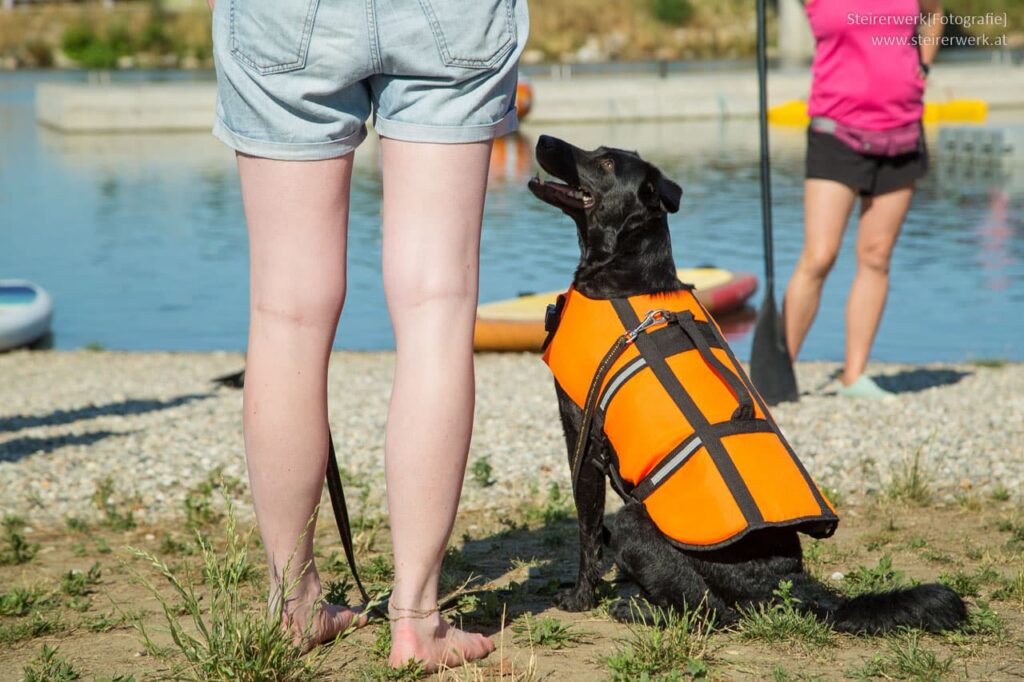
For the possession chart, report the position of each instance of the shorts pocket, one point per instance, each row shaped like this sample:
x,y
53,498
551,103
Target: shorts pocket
x,y
269,36
474,34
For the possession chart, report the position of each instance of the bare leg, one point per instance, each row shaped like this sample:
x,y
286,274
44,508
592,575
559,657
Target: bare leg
x,y
880,221
298,216
827,206
433,206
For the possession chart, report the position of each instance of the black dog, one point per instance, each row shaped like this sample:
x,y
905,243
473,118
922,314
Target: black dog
x,y
620,203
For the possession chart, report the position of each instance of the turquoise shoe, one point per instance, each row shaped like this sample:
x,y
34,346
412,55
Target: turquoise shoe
x,y
865,387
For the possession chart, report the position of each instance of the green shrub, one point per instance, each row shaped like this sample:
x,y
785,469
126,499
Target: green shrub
x,y
76,39
675,12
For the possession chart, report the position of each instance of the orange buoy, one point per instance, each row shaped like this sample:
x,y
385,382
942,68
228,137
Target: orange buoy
x,y
524,98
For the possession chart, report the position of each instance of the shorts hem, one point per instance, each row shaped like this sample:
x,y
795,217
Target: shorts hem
x,y
288,151
418,132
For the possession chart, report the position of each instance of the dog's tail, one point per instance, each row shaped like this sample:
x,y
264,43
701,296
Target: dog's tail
x,y
932,607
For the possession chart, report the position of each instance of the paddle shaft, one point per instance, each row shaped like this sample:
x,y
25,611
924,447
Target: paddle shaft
x,y
766,180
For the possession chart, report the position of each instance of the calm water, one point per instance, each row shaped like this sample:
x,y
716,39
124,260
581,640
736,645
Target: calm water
x,y
141,238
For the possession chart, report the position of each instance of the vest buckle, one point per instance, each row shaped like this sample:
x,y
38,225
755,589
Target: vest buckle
x,y
654,317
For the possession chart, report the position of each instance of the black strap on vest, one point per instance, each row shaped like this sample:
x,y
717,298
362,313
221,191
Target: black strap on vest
x,y
341,514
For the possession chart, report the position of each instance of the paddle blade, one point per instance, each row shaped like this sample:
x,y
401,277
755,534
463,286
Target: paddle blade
x,y
771,369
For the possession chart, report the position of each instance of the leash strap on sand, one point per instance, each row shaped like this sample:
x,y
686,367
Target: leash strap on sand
x,y
341,515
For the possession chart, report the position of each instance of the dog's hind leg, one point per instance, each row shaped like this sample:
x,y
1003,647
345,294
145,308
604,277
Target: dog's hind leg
x,y
664,574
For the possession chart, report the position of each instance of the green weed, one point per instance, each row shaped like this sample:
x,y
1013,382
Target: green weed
x,y
557,507
906,660
674,643
80,583
1012,589
1000,494
983,621
76,525
969,584
49,667
336,591
910,485
482,472
832,495
227,636
547,632
36,626
873,579
15,549
199,500
116,516
19,601
782,621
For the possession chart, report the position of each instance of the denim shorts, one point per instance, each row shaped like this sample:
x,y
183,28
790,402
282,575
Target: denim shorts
x,y
297,79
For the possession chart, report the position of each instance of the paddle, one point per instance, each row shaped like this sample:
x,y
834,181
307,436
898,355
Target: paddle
x,y
770,366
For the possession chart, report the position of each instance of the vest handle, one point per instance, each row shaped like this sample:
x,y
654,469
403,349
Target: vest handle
x,y
745,409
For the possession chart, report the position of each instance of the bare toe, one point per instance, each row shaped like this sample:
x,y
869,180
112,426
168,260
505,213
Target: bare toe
x,y
330,620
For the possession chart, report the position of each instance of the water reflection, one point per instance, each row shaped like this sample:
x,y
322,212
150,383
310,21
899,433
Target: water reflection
x,y
142,241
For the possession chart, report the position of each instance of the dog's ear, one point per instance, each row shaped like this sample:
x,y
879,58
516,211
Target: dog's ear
x,y
670,194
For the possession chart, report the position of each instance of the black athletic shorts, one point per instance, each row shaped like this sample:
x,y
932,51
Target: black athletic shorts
x,y
829,159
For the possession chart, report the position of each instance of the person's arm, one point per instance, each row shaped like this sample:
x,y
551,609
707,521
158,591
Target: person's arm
x,y
930,31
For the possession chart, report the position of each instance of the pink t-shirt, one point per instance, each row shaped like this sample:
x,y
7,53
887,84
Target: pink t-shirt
x,y
865,70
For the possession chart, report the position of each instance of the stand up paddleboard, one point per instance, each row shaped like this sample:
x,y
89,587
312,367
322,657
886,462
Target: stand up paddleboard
x,y
26,312
517,324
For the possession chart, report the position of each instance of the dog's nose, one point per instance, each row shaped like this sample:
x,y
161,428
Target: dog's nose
x,y
546,142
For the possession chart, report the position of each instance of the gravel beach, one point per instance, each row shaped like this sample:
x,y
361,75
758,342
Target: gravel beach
x,y
157,425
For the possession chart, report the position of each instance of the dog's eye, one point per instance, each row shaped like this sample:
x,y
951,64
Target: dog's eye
x,y
607,164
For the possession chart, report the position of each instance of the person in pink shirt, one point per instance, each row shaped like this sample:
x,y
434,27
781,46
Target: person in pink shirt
x,y
865,139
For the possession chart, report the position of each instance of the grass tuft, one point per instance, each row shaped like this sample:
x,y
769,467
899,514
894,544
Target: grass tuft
x,y
783,621
906,660
37,626
1000,493
19,601
482,472
116,515
15,549
910,485
874,578
49,667
548,632
673,643
231,638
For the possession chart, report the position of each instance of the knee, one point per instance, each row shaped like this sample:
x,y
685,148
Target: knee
x,y
407,291
817,263
301,305
874,257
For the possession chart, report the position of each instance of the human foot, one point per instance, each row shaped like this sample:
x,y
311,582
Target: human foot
x,y
866,388
329,621
432,642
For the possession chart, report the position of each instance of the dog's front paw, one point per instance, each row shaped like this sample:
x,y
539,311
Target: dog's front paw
x,y
577,599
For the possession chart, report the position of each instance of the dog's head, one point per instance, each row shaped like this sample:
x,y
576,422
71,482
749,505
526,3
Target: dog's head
x,y
619,203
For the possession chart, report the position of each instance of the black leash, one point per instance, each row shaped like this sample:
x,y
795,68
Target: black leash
x,y
337,494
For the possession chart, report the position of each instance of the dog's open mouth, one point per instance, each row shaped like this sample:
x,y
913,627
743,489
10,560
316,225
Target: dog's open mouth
x,y
560,194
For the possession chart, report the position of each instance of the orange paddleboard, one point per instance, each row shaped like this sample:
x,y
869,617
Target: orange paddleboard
x,y
517,324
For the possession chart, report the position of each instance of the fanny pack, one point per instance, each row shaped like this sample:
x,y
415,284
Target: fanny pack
x,y
893,142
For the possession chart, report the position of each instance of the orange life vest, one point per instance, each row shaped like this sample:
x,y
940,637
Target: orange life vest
x,y
689,436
